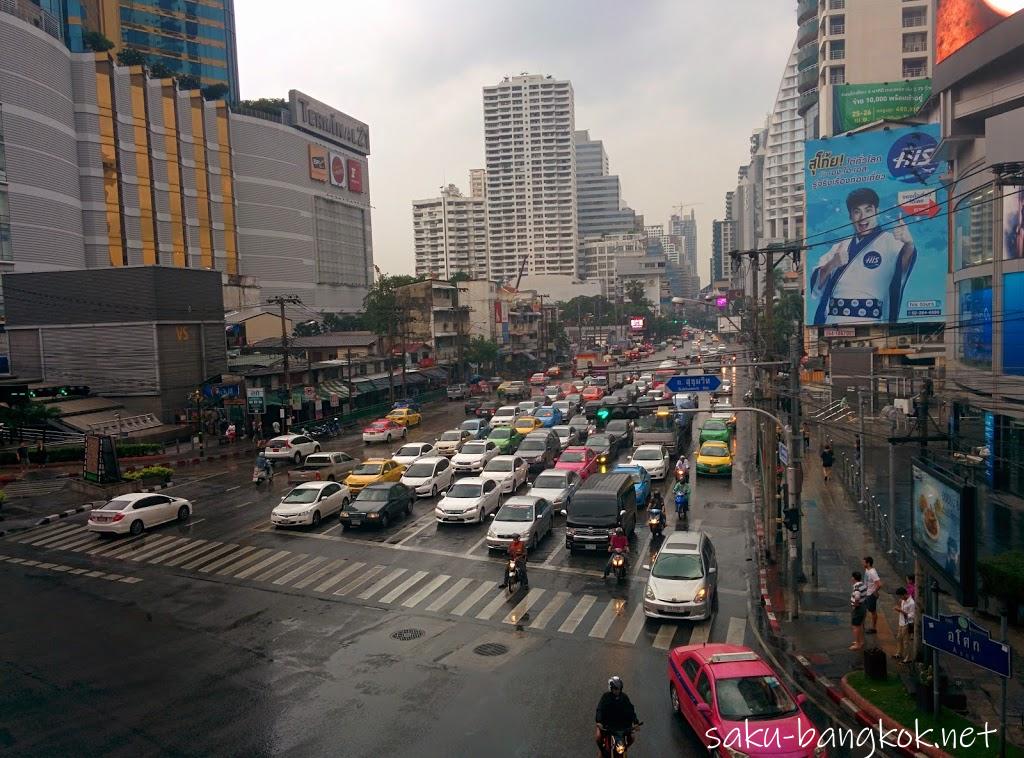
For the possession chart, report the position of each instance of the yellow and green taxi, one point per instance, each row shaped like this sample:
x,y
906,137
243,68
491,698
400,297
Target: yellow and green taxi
x,y
715,430
714,459
526,424
405,416
373,471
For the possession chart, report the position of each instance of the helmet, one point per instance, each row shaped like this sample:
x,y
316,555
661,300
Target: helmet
x,y
615,683
517,536
619,531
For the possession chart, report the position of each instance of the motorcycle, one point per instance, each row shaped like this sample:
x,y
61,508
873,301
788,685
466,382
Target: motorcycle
x,y
619,565
260,475
512,576
656,523
682,469
682,502
616,743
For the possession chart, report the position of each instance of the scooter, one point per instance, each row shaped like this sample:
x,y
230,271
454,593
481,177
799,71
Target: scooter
x,y
619,565
616,743
682,469
512,576
260,475
656,523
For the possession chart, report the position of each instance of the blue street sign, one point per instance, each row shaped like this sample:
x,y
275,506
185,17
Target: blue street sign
x,y
783,454
960,636
696,383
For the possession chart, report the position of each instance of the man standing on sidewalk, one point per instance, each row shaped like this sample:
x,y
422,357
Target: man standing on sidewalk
x,y
827,459
874,584
907,610
857,594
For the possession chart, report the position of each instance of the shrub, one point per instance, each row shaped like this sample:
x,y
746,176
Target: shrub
x,y
150,472
1002,576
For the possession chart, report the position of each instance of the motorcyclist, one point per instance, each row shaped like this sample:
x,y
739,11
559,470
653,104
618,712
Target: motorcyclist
x,y
617,541
656,511
615,713
683,468
682,493
263,465
657,501
517,552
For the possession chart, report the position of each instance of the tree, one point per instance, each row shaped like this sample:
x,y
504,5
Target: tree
x,y
97,42
160,71
460,276
344,322
789,307
380,306
634,290
189,82
271,105
482,352
215,91
129,56
307,329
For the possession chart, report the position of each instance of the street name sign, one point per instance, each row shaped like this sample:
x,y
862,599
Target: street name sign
x,y
960,636
695,383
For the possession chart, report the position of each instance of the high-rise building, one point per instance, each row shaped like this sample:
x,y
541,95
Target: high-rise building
x,y
450,235
478,182
599,195
529,123
685,229
784,162
598,256
196,38
863,42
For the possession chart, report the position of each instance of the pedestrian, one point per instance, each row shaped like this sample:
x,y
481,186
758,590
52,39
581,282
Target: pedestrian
x,y
873,583
231,433
807,437
857,593
907,610
41,454
23,455
911,586
827,459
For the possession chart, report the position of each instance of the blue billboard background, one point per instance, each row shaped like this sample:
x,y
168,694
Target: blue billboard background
x,y
1013,323
859,276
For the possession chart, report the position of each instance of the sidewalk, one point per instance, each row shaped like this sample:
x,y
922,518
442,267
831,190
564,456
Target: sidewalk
x,y
821,635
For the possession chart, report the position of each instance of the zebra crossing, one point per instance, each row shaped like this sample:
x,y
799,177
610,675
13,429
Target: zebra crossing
x,y
559,612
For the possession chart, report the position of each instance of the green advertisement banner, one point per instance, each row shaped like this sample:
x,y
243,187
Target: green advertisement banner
x,y
854,105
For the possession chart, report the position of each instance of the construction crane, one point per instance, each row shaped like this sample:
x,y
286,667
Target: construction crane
x,y
522,268
680,206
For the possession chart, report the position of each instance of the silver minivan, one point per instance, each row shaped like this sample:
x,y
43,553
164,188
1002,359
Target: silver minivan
x,y
683,581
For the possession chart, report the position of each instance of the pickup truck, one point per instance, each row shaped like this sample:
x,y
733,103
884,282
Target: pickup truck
x,y
458,392
331,467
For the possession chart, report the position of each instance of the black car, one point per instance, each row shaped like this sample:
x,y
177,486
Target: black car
x,y
486,409
621,428
377,504
581,424
605,446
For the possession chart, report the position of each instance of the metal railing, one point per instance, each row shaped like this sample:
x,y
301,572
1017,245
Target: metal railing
x,y
876,517
34,15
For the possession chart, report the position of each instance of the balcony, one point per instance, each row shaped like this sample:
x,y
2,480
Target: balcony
x,y
806,9
807,80
808,59
807,101
807,33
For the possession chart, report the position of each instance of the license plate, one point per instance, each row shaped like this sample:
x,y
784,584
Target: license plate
x,y
712,469
590,547
356,521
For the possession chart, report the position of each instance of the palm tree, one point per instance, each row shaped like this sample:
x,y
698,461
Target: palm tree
x,y
634,290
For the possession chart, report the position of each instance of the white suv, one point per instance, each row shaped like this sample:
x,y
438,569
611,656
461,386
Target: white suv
x,y
293,447
429,475
506,415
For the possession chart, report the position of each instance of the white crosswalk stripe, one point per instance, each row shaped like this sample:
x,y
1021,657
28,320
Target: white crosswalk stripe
x,y
104,546
381,584
35,535
350,569
228,553
195,554
494,606
424,592
472,599
576,614
75,542
449,594
634,626
53,536
159,549
262,564
239,561
700,633
515,616
549,610
406,585
737,629
663,639
190,545
322,571
305,565
130,547
359,581
605,620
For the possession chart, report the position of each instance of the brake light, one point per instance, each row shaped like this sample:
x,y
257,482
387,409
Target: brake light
x,y
317,476
118,516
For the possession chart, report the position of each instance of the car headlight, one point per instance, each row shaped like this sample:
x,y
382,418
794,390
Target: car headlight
x,y
649,594
570,532
701,594
492,534
372,515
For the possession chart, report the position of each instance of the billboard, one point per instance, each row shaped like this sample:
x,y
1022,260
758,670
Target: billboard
x,y
854,105
355,175
1013,323
337,169
317,163
1013,223
942,529
637,323
958,22
876,233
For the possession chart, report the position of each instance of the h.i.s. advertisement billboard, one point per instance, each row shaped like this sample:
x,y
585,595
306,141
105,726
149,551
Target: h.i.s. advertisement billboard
x,y
876,228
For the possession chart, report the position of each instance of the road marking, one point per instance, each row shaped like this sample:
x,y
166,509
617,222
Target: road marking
x,y
242,505
604,622
177,551
190,524
305,566
423,592
131,580
429,521
75,543
472,599
402,588
113,577
339,576
492,607
262,564
634,626
94,574
189,555
233,565
550,610
356,583
22,560
232,489
663,639
167,545
331,528
31,562
233,551
46,565
737,628
323,571
449,595
78,571
54,536
132,546
46,531
515,616
576,615
481,541
381,584
105,546
700,633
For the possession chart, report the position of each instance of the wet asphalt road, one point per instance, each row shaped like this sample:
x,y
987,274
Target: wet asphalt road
x,y
224,636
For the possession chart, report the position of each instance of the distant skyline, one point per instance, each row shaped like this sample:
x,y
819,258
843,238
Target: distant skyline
x,y
673,89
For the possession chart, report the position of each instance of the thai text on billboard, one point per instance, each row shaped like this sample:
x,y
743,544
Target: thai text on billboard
x,y
877,237
854,105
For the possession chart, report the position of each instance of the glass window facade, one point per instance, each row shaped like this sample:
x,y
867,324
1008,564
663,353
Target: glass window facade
x,y
973,223
974,322
1013,323
342,249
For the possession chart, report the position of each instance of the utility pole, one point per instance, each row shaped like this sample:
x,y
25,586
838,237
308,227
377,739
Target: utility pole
x,y
281,301
769,304
892,484
795,471
351,388
860,447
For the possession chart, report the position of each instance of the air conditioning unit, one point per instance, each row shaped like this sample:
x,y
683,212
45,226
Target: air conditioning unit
x,y
903,341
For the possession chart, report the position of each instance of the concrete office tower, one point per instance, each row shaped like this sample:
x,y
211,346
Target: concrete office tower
x,y
599,257
862,42
478,182
450,235
684,228
598,194
783,165
529,123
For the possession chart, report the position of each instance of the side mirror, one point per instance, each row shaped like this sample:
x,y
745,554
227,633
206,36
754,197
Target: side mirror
x,y
622,513
713,570
564,512
703,708
646,566
801,699
529,485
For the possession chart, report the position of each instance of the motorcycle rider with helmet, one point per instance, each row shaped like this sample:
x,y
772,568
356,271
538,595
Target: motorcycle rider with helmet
x,y
263,466
618,541
517,552
615,713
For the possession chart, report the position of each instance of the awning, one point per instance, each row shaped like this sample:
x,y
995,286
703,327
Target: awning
x,y
434,373
330,387
411,377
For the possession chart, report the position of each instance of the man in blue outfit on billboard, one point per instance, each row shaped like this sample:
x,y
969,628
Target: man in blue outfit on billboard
x,y
861,279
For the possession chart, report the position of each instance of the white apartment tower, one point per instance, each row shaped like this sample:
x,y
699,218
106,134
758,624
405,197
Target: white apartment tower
x,y
478,182
450,235
531,177
783,163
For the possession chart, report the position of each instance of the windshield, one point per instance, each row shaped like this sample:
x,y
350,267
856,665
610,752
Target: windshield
x,y
301,495
473,448
470,426
714,424
420,470
463,489
515,513
573,456
501,434
372,495
530,445
599,440
506,411
714,451
655,423
647,454
587,508
499,465
367,469
406,451
753,697
451,436
675,566
549,482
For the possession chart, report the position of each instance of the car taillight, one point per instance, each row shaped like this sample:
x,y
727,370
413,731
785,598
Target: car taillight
x,y
317,475
117,517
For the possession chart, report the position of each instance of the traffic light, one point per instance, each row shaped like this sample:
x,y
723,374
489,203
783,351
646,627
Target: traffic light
x,y
603,414
791,519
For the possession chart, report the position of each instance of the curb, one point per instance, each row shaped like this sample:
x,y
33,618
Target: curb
x,y
870,716
762,575
53,517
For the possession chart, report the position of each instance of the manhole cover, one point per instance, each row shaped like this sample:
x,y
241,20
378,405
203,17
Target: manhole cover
x,y
407,634
490,648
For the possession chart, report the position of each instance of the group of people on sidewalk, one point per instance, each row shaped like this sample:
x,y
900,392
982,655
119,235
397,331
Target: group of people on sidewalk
x,y
864,605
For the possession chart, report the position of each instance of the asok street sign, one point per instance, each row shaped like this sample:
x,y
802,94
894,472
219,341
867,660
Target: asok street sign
x,y
960,636
696,383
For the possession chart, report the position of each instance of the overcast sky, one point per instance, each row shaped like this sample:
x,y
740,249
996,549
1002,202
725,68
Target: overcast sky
x,y
672,87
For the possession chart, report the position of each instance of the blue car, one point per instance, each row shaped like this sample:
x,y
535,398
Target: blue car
x,y
479,428
641,482
548,416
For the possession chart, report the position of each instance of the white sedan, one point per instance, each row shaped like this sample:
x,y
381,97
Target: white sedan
x,y
474,456
293,447
307,504
137,511
654,458
406,454
428,475
469,500
509,471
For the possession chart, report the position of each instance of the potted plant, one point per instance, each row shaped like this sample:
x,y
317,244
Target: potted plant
x,y
149,476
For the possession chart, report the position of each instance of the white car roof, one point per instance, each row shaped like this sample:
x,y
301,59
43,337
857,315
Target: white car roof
x,y
472,480
522,500
650,446
311,486
503,458
430,459
682,542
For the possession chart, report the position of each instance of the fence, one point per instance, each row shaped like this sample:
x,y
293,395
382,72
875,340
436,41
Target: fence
x,y
353,417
